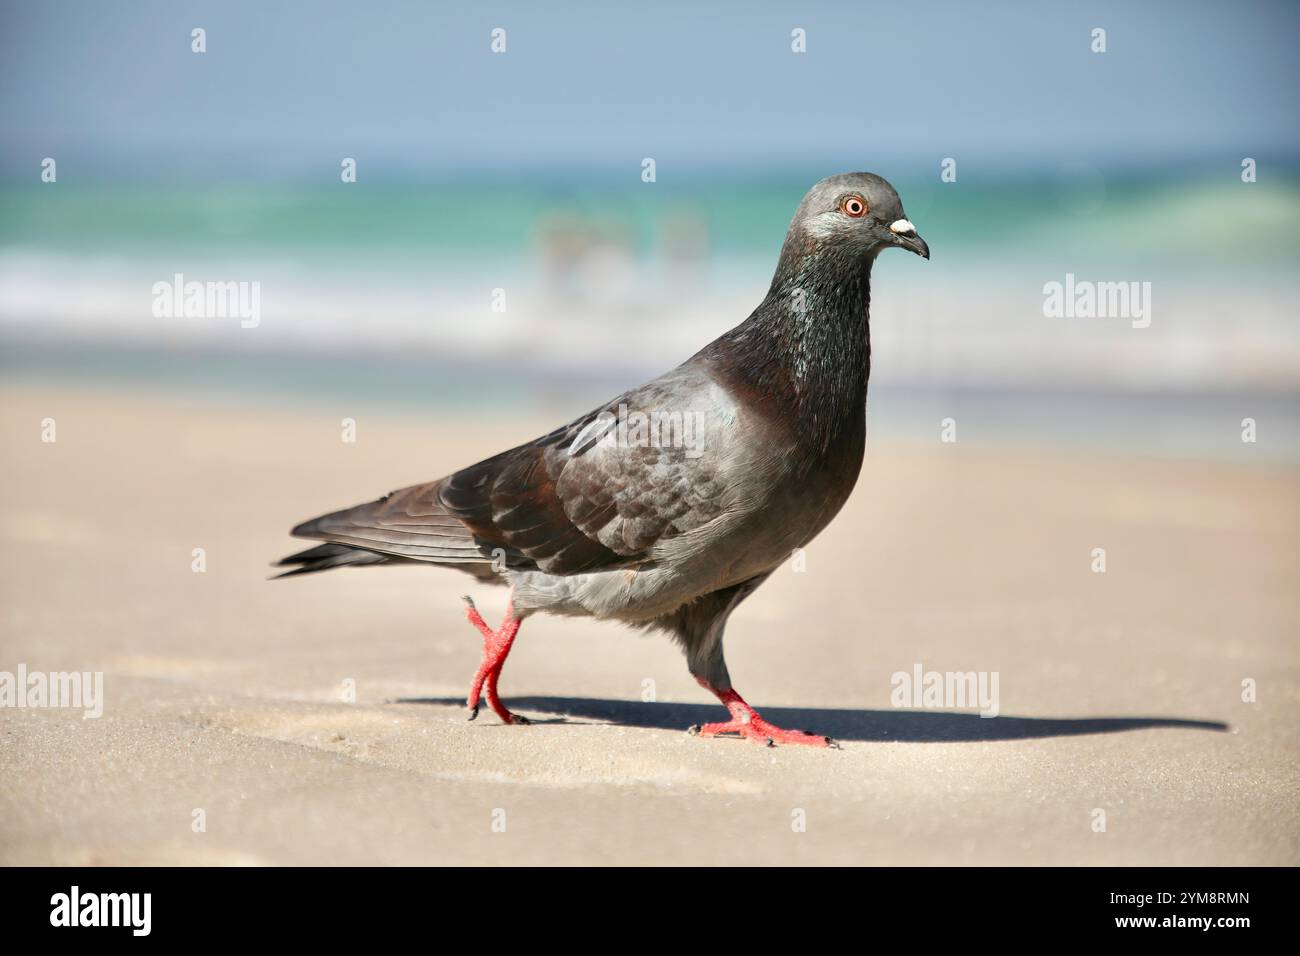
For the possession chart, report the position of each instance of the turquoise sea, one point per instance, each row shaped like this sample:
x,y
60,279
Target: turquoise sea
x,y
1140,220
387,291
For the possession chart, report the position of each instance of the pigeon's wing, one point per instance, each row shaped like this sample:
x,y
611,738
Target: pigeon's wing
x,y
581,498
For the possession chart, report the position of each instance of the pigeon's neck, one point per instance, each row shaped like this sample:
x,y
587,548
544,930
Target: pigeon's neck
x,y
808,345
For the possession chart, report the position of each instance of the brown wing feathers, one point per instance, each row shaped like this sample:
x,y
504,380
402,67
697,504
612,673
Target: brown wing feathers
x,y
507,505
566,503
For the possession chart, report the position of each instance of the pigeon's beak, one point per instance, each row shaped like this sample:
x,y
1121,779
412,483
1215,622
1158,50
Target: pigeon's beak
x,y
905,236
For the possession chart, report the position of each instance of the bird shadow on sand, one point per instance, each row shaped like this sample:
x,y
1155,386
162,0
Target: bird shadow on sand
x,y
863,725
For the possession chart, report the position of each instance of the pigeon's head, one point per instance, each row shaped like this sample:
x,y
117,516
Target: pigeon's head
x,y
857,211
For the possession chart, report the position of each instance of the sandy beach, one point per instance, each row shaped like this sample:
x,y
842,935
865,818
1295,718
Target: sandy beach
x,y
227,696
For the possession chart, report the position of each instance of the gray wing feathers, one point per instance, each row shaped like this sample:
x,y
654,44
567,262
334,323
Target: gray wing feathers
x,y
593,495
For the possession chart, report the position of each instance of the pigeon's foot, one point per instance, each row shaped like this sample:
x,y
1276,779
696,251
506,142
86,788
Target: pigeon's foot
x,y
745,722
496,648
761,732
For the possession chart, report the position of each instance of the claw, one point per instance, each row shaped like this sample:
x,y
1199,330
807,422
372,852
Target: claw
x,y
473,712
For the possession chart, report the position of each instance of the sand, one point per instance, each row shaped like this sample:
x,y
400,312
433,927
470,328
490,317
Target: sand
x,y
1120,693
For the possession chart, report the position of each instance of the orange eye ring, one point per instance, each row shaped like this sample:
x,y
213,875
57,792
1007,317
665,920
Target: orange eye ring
x,y
853,206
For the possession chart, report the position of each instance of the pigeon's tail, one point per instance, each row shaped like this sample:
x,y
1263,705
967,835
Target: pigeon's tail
x,y
326,556
406,526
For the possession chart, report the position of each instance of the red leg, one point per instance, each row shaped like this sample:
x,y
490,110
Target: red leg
x,y
496,648
746,723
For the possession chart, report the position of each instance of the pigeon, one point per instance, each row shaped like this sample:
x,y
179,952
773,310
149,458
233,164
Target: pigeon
x,y
669,505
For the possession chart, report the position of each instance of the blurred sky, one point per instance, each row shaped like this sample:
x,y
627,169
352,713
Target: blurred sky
x,y
287,87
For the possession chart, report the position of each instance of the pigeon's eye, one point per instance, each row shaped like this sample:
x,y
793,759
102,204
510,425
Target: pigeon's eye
x,y
854,206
